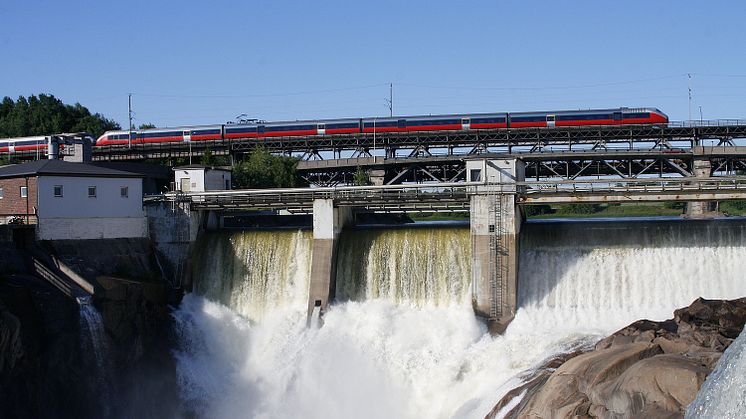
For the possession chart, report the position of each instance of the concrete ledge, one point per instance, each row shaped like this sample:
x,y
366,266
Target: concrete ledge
x,y
91,228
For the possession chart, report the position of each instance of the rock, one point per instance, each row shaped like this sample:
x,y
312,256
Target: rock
x,y
647,369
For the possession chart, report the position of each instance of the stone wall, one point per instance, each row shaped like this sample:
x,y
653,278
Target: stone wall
x,y
91,228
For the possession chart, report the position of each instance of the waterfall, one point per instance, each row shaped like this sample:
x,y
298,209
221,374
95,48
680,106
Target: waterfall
x,y
95,343
401,339
254,272
723,394
418,266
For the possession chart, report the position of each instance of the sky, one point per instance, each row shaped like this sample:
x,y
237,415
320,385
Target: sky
x,y
204,62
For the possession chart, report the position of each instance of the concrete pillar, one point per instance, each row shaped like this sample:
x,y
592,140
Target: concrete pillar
x,y
377,176
702,170
495,225
328,222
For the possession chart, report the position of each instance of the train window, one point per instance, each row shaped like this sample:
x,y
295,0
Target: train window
x,y
260,129
402,123
617,116
465,121
550,118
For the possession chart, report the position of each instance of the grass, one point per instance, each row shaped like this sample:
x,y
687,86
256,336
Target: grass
x,y
439,216
624,210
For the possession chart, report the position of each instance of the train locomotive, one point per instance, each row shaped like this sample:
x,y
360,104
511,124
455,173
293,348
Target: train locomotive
x,y
399,124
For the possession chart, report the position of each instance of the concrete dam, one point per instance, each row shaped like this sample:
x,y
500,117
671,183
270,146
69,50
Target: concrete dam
x,y
400,338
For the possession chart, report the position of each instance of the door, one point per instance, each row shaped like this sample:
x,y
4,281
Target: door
x,y
465,123
11,146
187,135
321,129
185,185
550,120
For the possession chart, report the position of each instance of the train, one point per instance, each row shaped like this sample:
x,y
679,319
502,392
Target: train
x,y
396,124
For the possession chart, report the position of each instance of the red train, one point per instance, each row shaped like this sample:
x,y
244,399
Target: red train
x,y
617,116
456,122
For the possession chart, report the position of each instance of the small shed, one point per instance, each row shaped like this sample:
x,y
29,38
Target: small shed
x,y
200,178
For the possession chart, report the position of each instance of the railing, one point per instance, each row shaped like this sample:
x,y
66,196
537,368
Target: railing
x,y
449,193
707,123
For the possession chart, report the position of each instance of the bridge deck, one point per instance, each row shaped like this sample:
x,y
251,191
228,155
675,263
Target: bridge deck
x,y
456,196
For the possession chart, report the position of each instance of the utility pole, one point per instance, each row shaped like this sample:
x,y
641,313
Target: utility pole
x,y
390,100
689,75
129,113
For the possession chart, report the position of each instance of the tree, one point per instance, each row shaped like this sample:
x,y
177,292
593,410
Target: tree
x,y
263,170
45,115
209,159
146,126
361,177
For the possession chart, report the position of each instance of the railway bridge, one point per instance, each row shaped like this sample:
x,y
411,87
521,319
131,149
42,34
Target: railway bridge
x,y
494,193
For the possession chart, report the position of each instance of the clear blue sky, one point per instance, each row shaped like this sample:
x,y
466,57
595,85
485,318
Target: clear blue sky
x,y
194,62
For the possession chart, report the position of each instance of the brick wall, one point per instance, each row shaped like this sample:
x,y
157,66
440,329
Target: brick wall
x,y
11,203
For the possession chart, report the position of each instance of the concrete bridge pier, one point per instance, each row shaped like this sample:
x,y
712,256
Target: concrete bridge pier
x,y
700,209
495,225
328,222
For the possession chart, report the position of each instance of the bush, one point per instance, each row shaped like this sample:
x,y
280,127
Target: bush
x,y
534,210
674,205
579,209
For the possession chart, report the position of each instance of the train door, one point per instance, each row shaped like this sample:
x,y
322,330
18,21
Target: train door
x,y
550,120
11,146
465,123
321,129
187,135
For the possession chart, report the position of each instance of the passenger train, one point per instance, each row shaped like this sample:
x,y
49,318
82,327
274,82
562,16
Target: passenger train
x,y
399,124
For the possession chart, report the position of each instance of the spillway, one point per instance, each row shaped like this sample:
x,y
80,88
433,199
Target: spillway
x,y
401,339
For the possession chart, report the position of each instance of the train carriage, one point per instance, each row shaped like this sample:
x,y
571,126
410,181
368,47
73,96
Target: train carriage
x,y
451,122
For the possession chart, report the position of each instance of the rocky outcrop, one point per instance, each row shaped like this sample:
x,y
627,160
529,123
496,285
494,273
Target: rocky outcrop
x,y
41,367
647,369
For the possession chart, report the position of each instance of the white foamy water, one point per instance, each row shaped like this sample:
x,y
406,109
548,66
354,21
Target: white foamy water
x,y
723,395
412,354
95,344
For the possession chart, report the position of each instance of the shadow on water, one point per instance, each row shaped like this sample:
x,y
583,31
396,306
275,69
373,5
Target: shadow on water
x,y
552,249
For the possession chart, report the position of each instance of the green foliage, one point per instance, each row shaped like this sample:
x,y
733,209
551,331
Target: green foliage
x,y
674,205
361,177
263,170
146,126
534,210
733,207
45,114
578,209
209,159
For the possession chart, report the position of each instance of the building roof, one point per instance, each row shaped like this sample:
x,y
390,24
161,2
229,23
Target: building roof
x,y
61,168
202,166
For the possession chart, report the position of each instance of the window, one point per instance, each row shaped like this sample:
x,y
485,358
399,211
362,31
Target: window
x,y
1,193
24,192
91,191
124,191
476,175
58,190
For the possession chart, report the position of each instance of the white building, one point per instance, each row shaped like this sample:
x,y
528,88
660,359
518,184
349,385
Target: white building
x,y
77,200
199,178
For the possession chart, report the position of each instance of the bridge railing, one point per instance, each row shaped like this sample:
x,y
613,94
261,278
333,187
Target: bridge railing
x,y
451,193
643,185
707,123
